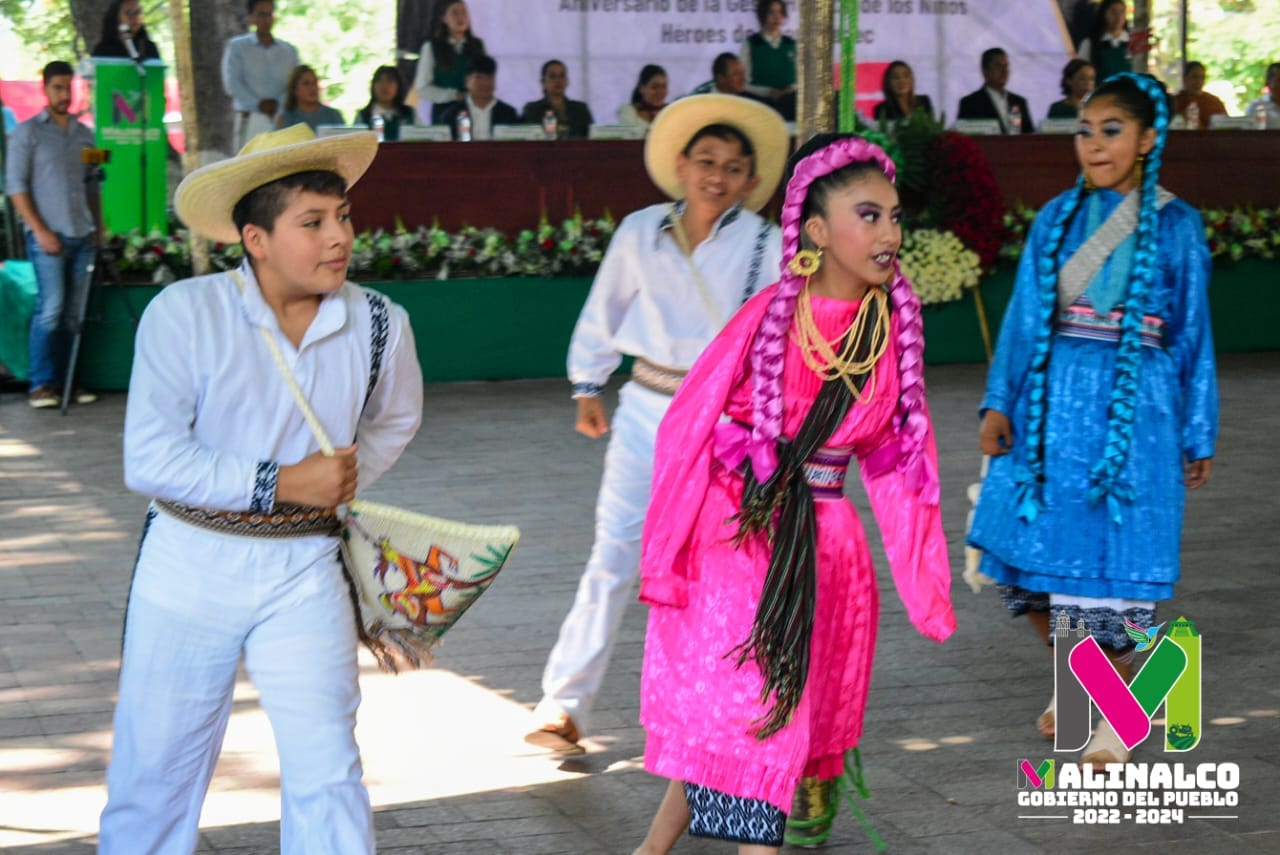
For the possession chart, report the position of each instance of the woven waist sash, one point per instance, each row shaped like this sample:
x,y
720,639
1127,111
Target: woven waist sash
x,y
656,378
284,521
1082,322
824,472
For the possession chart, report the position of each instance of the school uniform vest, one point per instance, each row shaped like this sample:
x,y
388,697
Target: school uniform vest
x,y
1111,59
455,76
770,66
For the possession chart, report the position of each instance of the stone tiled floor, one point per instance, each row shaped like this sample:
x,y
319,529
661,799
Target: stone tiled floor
x,y
944,727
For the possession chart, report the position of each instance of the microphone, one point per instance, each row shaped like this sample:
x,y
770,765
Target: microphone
x,y
126,36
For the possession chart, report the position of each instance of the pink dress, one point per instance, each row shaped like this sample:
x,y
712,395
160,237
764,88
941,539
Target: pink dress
x,y
697,707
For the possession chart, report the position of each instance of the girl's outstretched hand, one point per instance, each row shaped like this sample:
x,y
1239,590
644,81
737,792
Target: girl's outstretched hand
x,y
995,436
1198,472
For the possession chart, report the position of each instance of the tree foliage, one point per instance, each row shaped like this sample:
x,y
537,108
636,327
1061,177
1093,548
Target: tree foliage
x,y
1235,39
344,41
48,32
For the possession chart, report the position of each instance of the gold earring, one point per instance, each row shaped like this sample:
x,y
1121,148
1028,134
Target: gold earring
x,y
805,262
1137,167
1089,186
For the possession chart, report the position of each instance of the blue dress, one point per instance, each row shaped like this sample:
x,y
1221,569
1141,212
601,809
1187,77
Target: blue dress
x,y
1073,546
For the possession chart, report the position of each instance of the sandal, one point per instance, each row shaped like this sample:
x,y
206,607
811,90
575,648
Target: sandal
x,y
812,811
560,736
1046,723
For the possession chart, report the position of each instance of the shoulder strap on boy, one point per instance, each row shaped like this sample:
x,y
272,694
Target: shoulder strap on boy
x,y
757,260
379,325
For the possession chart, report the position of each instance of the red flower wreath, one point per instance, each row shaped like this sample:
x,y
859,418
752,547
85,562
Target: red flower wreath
x,y
964,195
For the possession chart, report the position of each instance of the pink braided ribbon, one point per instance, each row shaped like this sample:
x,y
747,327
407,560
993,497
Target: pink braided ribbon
x,y
769,347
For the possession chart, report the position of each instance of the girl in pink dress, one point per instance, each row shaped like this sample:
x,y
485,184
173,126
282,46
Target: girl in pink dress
x,y
764,607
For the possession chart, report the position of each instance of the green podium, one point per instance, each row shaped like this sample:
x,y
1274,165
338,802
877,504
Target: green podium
x,y
128,111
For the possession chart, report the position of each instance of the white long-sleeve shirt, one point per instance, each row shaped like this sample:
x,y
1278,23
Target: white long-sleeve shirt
x,y
644,301
253,72
210,419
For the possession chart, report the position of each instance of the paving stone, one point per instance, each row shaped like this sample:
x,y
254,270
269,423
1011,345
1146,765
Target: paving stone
x,y
944,727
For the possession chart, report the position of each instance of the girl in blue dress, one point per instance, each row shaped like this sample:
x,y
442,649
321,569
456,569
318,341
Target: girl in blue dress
x,y
1101,406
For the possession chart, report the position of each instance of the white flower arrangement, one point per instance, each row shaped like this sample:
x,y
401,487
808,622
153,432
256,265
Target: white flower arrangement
x,y
939,265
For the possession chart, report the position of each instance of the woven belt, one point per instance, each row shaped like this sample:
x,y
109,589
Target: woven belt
x,y
284,521
1083,322
656,378
824,472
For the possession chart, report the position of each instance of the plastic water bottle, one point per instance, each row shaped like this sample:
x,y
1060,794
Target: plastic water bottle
x,y
1015,118
1193,116
550,124
464,126
1260,117
379,124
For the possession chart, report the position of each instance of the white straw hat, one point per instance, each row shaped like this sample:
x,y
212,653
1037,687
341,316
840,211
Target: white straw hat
x,y
205,198
679,121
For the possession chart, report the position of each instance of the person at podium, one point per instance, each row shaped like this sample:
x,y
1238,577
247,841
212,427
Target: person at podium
x,y
122,23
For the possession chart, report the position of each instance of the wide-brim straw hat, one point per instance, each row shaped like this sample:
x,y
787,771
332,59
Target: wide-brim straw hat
x,y
679,121
205,198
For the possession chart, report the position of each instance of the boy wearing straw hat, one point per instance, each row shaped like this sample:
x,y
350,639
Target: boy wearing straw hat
x,y
238,554
672,277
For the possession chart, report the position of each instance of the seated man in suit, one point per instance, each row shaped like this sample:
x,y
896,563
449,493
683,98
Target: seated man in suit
x,y
993,101
481,104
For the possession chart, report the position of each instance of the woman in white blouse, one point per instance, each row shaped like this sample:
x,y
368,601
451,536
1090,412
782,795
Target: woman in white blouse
x,y
647,98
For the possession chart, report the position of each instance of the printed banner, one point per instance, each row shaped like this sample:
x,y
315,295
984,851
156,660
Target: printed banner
x,y
605,43
120,115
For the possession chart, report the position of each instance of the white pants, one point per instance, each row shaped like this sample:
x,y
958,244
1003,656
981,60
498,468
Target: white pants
x,y
578,661
198,600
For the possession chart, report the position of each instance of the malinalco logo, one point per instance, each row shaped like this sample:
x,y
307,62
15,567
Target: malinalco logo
x,y
1035,777
1083,676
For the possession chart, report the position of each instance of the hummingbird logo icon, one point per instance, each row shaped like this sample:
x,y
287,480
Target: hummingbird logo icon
x,y
1144,638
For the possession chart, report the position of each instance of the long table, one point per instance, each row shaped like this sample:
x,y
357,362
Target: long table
x,y
509,185
527,323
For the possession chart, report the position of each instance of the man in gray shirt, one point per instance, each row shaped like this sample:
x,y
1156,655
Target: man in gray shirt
x,y
49,186
255,69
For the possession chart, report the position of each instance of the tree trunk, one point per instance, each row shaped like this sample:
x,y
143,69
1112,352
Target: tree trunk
x,y
815,96
413,27
212,25
86,16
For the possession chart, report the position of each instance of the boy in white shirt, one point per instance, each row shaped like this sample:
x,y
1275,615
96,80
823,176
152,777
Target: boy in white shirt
x,y
239,551
673,275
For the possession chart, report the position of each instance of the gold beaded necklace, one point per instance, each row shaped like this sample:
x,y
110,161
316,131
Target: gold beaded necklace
x,y
819,354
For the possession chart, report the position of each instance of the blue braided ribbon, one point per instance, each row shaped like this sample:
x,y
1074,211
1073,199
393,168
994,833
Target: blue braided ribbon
x,y
1029,476
1113,490
1029,495
1122,405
